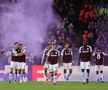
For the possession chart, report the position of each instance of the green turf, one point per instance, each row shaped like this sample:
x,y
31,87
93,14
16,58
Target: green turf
x,y
59,86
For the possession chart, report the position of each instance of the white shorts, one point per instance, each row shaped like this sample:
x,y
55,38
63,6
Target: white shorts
x,y
53,67
46,65
67,65
21,65
99,67
13,64
85,65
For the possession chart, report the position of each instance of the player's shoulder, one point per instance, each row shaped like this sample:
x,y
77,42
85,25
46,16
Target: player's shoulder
x,y
57,50
45,50
63,49
81,47
89,46
70,49
103,52
49,50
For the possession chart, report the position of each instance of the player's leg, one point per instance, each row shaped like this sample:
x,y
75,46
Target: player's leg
x,y
19,71
65,75
65,71
101,74
70,70
11,74
97,73
54,77
23,71
51,72
88,74
16,72
82,67
46,71
55,67
15,75
88,71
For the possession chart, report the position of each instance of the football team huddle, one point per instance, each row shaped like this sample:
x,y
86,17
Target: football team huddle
x,y
18,63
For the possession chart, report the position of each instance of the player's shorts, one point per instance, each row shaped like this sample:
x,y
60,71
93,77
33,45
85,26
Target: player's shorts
x,y
99,67
67,65
46,65
53,67
13,64
21,65
85,65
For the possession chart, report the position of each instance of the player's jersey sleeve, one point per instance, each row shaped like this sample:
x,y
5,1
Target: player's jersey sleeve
x,y
104,53
62,52
58,53
14,52
71,51
90,49
24,51
43,56
93,54
80,49
49,53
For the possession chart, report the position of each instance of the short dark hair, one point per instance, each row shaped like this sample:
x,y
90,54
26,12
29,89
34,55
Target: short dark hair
x,y
15,43
20,44
99,48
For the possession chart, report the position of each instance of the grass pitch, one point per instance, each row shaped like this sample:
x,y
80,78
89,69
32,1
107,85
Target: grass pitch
x,y
59,86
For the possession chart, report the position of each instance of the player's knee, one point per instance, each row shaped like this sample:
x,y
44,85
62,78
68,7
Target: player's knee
x,y
88,70
82,70
11,72
70,71
51,73
23,72
97,72
55,74
64,70
101,71
45,71
19,71
15,72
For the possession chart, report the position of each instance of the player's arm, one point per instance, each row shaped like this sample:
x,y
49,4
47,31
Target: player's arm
x,y
43,56
72,57
14,52
90,49
94,53
59,61
61,57
79,55
47,57
98,40
23,52
105,54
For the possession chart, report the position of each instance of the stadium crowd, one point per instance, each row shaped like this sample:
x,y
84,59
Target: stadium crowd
x,y
88,22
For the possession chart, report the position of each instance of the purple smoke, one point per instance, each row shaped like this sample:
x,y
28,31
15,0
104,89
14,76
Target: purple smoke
x,y
26,21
